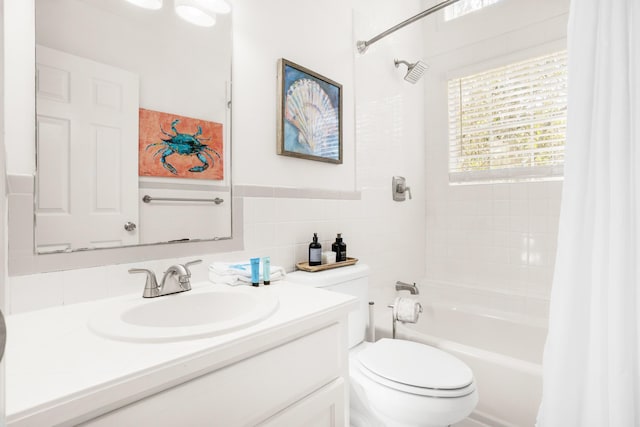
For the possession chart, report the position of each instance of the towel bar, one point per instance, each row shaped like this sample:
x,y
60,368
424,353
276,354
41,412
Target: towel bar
x,y
149,199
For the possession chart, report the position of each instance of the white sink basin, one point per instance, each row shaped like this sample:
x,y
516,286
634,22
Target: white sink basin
x,y
184,316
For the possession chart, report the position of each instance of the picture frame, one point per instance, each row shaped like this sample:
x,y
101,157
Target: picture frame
x,y
309,114
175,146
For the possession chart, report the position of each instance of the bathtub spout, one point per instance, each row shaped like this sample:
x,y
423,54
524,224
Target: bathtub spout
x,y
401,286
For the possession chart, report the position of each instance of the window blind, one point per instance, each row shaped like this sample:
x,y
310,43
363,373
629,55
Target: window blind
x,y
509,123
463,7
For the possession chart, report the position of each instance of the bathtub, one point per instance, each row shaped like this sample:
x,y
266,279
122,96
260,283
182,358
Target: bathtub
x,y
504,354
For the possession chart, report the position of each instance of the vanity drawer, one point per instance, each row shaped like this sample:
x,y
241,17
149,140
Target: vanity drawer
x,y
246,392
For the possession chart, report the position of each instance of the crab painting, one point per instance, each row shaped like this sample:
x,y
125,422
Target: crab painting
x,y
184,144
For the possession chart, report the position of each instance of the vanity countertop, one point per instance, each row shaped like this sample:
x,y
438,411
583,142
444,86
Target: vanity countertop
x,y
59,372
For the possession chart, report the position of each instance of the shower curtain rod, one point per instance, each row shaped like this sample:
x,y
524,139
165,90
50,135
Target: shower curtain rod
x,y
364,45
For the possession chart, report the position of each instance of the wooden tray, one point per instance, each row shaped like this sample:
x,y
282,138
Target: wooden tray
x,y
313,268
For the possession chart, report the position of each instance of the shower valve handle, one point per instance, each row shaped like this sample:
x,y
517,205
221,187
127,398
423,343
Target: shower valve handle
x,y
405,190
400,189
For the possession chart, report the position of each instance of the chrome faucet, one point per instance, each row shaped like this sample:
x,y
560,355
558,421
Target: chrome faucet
x,y
176,279
401,286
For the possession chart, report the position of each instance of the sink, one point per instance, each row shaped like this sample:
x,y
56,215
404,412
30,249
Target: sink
x,y
184,316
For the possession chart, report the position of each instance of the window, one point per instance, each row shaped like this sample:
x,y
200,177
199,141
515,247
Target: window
x,y
463,7
509,123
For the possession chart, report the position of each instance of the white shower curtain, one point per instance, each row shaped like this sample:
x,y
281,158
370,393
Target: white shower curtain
x,y
591,358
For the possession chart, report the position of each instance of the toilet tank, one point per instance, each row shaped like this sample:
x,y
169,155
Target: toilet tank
x,y
352,280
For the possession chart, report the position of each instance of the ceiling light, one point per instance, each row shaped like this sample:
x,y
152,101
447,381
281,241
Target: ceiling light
x,y
199,12
219,6
147,4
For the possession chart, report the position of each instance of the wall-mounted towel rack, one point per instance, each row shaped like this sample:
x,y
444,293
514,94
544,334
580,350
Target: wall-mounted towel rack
x,y
149,199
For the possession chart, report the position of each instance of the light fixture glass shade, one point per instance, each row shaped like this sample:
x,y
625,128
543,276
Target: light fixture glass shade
x,y
147,4
196,12
219,6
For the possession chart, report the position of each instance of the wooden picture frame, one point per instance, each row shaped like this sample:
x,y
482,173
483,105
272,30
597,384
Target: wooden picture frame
x,y
309,114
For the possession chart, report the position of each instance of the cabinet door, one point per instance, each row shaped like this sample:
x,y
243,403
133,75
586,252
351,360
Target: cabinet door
x,y
323,408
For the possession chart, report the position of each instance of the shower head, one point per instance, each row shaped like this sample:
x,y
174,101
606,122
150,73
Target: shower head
x,y
414,71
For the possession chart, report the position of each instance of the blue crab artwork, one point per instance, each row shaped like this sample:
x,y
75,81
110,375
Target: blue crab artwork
x,y
184,144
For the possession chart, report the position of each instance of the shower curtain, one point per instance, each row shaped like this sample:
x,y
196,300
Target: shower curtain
x,y
591,358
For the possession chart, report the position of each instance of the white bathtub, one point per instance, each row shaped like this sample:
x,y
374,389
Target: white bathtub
x,y
505,357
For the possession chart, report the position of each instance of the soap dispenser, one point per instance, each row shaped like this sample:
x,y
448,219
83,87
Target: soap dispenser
x,y
315,251
340,248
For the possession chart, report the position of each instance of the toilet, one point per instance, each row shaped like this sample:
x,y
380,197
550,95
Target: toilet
x,y
395,383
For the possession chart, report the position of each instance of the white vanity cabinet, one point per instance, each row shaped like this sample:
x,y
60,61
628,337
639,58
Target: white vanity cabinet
x,y
288,370
299,383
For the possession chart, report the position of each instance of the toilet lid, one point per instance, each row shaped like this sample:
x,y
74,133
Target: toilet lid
x,y
416,365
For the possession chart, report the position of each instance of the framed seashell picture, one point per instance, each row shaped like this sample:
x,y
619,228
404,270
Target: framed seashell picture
x,y
309,114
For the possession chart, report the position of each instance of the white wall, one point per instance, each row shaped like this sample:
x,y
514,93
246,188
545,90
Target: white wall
x,y
280,213
489,244
314,35
19,86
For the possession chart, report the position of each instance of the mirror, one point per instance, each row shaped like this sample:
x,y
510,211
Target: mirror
x,y
133,126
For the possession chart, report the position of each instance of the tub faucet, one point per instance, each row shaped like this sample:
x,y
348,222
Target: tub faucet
x,y
401,286
176,279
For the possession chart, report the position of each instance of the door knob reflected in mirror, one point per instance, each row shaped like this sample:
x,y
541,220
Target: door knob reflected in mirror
x,y
130,226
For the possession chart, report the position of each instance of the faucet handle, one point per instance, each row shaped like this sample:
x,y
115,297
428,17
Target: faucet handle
x,y
151,288
194,262
403,188
183,280
190,263
408,191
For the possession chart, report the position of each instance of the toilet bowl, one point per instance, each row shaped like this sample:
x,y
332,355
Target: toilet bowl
x,y
395,383
399,383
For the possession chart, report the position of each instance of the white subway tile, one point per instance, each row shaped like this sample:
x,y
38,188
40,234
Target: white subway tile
x,y
519,223
502,223
518,207
519,190
264,235
539,224
500,191
539,207
85,285
264,210
36,291
121,282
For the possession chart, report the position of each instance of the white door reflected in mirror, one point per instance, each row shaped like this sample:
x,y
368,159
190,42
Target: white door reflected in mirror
x,y
87,113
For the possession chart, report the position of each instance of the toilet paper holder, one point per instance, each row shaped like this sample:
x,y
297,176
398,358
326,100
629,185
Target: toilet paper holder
x,y
394,312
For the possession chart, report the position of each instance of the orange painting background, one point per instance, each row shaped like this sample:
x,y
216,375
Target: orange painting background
x,y
150,133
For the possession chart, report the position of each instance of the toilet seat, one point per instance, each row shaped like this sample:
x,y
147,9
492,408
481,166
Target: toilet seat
x,y
416,368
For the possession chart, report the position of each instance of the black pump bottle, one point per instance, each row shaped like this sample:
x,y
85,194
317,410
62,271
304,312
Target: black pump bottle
x,y
340,248
315,251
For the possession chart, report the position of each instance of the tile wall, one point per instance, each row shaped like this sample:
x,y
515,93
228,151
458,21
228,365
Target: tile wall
x,y
489,245
279,227
494,245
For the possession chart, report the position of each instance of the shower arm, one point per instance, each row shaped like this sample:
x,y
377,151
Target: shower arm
x,y
399,61
364,45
